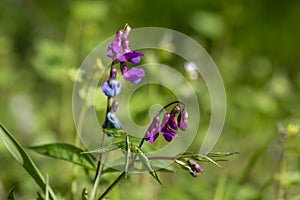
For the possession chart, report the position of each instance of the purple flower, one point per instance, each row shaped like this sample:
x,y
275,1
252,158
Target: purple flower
x,y
169,125
172,121
115,48
168,133
134,75
183,120
194,168
132,56
153,131
111,88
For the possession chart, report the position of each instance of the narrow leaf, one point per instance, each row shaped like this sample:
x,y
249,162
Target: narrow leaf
x,y
128,155
115,132
108,148
24,159
10,195
84,194
221,154
66,152
146,163
210,160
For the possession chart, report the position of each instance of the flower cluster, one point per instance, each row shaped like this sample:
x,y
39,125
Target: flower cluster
x,y
121,53
176,119
194,168
119,50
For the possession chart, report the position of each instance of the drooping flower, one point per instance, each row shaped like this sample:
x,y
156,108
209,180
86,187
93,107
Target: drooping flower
x,y
134,75
183,120
112,121
169,125
153,131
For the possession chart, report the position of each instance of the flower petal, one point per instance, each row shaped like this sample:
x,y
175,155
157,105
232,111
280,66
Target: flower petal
x,y
134,75
111,88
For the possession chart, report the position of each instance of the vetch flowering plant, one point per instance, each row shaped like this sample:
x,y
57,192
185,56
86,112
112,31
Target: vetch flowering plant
x,y
170,121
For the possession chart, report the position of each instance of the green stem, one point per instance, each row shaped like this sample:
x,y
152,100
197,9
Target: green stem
x,y
112,185
77,143
98,173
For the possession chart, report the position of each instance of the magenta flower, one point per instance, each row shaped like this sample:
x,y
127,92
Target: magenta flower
x,y
134,75
132,56
115,48
153,131
119,50
168,126
195,168
183,120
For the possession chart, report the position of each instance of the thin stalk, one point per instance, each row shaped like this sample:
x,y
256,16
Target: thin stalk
x,y
77,143
112,185
98,173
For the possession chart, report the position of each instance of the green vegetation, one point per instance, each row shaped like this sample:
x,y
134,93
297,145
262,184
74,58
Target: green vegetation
x,y
255,45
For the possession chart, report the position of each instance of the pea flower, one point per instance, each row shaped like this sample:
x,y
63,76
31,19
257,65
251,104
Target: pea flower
x,y
112,121
134,75
182,120
119,50
112,87
153,131
168,126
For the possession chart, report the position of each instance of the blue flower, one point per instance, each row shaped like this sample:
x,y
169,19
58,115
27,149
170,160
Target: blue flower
x,y
113,121
111,88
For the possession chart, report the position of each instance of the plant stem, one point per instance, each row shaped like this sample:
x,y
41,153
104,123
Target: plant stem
x,y
98,173
120,177
77,143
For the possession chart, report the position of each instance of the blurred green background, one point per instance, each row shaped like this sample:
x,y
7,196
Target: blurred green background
x,y
255,45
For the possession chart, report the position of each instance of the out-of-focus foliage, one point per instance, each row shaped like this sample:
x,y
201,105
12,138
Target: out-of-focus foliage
x,y
255,45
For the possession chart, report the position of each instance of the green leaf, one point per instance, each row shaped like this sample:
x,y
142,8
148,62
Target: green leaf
x,y
146,163
66,152
39,197
205,158
128,155
116,132
221,154
10,195
24,159
110,147
84,194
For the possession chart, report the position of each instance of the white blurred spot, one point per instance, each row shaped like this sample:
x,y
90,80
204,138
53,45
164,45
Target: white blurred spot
x,y
191,69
